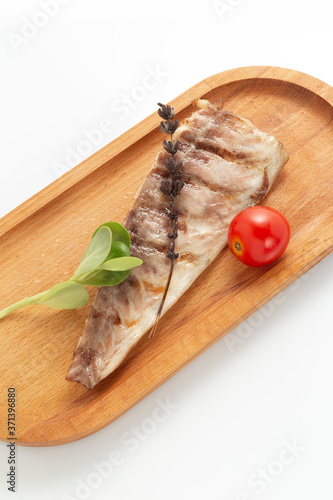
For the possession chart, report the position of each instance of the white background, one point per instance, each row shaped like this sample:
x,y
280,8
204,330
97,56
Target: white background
x,y
236,411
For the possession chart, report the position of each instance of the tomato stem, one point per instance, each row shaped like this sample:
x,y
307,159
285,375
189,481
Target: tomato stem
x,y
238,246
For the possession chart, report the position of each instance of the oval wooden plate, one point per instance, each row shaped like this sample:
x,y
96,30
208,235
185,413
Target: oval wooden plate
x,y
43,239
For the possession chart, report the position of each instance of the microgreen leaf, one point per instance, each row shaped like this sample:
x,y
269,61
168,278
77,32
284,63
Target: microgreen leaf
x,y
119,233
118,249
121,264
66,295
106,278
97,251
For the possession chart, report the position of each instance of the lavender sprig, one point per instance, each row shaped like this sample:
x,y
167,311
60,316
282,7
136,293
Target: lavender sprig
x,y
171,187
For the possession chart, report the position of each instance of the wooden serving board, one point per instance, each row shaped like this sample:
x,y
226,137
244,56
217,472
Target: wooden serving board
x,y
42,241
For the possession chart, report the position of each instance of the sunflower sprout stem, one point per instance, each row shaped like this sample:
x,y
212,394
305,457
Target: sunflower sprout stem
x,y
21,303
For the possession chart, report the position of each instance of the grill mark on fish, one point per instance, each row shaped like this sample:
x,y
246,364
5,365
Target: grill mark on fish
x,y
139,246
228,165
150,287
231,156
262,190
182,221
131,323
186,256
133,281
115,318
194,180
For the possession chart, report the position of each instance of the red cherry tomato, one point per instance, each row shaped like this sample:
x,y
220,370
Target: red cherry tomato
x,y
258,235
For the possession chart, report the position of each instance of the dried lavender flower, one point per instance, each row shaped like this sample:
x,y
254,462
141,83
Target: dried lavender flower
x,y
166,112
169,127
170,146
170,187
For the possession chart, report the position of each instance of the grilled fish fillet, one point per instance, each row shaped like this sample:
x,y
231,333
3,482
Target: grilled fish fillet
x,y
228,165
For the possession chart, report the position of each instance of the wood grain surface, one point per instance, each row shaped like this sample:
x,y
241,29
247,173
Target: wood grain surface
x,y
42,241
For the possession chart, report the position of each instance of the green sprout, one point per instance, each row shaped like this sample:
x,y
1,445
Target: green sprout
x,y
106,262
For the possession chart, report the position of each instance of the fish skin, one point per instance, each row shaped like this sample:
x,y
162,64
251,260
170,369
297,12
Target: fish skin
x,y
228,165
